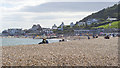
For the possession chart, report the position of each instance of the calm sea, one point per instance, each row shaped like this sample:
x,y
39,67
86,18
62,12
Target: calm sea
x,y
22,41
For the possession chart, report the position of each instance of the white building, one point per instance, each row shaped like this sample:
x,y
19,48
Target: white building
x,y
47,31
15,31
111,19
71,24
94,20
81,24
90,21
54,26
61,26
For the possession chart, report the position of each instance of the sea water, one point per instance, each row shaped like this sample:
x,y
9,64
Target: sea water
x,y
22,41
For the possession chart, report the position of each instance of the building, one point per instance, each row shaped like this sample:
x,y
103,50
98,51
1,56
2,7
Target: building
x,y
111,19
47,31
84,31
94,20
61,26
71,24
81,24
37,29
54,26
15,32
5,33
90,21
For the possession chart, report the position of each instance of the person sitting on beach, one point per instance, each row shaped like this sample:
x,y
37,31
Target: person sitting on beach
x,y
61,40
96,36
113,35
93,36
107,37
44,41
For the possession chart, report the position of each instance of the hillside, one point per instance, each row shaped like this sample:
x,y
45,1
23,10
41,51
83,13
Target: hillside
x,y
104,13
101,15
113,25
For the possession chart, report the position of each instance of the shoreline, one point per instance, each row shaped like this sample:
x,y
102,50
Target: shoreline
x,y
39,37
70,38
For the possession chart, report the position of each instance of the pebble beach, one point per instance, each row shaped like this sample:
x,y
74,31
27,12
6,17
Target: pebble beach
x,y
80,52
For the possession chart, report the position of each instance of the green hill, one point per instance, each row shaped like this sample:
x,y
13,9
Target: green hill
x,y
104,13
115,24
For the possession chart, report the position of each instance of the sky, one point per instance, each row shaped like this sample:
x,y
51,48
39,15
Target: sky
x,y
25,13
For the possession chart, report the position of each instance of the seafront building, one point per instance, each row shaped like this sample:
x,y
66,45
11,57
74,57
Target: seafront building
x,y
34,31
61,26
85,31
36,27
13,32
54,27
5,33
47,31
96,31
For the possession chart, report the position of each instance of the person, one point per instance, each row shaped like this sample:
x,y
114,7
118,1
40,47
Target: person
x,y
113,35
33,37
88,36
93,36
96,36
62,40
44,41
107,37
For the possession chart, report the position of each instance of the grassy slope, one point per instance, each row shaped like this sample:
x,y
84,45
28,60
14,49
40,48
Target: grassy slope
x,y
113,25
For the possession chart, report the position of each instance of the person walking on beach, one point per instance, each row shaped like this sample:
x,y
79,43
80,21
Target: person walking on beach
x,y
88,36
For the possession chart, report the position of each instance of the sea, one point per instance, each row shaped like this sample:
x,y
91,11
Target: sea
x,y
23,41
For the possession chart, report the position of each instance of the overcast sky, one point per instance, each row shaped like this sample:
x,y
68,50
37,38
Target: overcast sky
x,y
25,13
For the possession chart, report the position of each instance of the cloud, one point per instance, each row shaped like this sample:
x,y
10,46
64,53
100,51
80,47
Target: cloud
x,y
16,5
84,0
13,18
67,7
